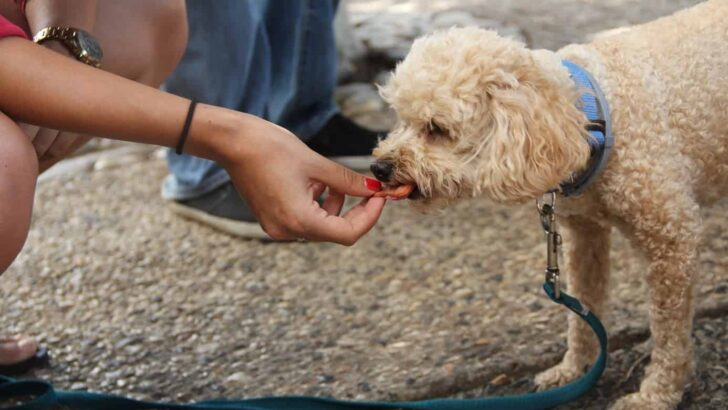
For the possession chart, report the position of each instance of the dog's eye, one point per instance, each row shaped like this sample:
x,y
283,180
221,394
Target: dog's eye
x,y
436,130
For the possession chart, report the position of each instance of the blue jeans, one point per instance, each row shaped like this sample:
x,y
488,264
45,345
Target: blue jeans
x,y
272,58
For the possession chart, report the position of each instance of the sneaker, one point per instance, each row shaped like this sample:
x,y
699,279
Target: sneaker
x,y
223,209
345,142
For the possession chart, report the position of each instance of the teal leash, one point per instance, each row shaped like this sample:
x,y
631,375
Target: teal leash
x,y
46,397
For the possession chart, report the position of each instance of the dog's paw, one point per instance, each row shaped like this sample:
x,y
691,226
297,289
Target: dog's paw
x,y
644,401
558,375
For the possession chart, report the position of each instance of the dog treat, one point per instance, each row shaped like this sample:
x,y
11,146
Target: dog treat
x,y
398,192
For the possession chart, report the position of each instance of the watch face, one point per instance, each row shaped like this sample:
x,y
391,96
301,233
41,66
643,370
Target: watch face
x,y
89,46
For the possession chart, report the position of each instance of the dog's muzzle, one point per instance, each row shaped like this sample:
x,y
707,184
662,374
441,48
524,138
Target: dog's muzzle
x,y
382,170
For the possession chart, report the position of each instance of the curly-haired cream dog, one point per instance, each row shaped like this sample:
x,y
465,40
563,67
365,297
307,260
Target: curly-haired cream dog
x,y
483,115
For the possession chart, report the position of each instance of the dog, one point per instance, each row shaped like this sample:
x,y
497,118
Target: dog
x,y
480,115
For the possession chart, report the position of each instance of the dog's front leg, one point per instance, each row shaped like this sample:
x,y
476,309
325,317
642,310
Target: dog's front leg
x,y
587,276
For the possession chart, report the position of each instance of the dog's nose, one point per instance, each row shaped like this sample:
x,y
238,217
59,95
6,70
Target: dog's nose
x,y
382,170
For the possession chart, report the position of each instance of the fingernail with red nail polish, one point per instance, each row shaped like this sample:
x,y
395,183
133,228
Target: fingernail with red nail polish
x,y
373,184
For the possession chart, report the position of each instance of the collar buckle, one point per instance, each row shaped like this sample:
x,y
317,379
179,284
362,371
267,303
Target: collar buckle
x,y
599,125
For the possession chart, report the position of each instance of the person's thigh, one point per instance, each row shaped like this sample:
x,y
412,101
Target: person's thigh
x,y
303,55
18,174
227,61
143,40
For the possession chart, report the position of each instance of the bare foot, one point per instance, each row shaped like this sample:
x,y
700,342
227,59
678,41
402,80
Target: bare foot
x,y
17,349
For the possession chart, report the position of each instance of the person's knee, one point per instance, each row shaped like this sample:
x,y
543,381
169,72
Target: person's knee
x,y
169,39
18,173
13,239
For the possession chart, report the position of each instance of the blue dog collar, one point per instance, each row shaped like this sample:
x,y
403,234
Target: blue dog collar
x,y
595,108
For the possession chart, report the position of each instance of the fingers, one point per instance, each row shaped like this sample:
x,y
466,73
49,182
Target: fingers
x,y
333,203
348,229
17,349
49,160
52,145
43,141
62,146
29,130
322,223
318,189
344,180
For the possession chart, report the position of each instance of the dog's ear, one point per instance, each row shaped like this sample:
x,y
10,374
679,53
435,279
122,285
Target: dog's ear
x,y
535,138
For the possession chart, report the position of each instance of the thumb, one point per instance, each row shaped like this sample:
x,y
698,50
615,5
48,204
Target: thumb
x,y
346,181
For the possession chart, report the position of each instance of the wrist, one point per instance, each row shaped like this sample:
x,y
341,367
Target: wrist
x,y
216,134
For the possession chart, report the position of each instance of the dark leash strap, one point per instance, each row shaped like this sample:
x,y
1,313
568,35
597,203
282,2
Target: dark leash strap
x,y
40,395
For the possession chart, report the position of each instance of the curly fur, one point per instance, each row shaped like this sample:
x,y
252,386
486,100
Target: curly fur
x,y
513,129
483,115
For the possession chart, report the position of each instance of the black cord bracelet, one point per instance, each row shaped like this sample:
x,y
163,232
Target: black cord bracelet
x,y
186,128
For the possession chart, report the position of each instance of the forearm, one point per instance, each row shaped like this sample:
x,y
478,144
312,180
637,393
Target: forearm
x,y
280,177
40,87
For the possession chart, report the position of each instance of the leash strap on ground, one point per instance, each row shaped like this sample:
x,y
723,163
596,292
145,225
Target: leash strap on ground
x,y
45,397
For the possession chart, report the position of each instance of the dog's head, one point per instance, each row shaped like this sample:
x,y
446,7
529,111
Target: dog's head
x,y
480,114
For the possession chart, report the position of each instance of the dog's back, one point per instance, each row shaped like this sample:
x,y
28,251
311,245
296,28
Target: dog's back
x,y
681,61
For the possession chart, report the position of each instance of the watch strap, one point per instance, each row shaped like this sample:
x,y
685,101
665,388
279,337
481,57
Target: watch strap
x,y
69,38
64,34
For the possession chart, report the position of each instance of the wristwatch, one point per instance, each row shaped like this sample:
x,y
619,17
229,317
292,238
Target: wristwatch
x,y
81,44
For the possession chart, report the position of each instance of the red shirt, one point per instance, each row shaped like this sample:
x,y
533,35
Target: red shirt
x,y
8,29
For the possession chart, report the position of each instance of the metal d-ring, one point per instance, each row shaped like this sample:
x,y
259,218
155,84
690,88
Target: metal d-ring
x,y
546,206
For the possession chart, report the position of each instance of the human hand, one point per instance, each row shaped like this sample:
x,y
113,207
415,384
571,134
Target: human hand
x,y
281,178
51,145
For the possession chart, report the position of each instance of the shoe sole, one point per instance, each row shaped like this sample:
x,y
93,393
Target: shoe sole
x,y
247,230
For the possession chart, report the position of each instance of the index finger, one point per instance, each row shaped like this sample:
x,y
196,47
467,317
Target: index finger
x,y
343,179
347,229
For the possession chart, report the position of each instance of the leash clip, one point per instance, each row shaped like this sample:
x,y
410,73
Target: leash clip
x,y
546,206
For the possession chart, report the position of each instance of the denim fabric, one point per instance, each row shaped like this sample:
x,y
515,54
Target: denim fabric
x,y
272,58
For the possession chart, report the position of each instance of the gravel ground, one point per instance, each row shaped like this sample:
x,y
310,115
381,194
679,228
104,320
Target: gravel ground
x,y
131,299
707,391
